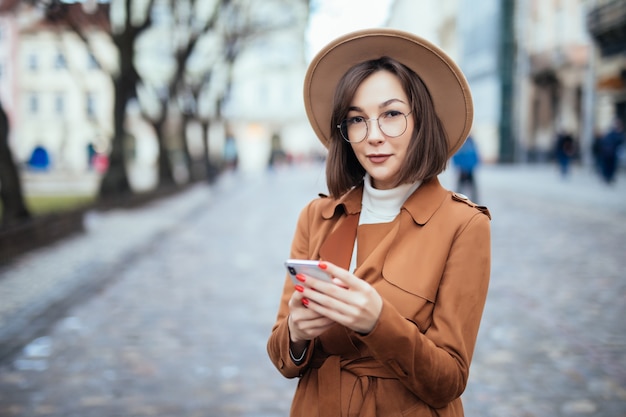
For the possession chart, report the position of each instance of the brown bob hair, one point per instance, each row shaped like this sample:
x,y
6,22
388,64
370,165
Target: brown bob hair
x,y
427,154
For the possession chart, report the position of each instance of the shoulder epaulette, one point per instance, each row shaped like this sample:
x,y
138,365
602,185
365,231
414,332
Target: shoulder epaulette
x,y
464,199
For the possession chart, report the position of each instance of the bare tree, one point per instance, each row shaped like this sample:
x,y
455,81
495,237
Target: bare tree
x,y
124,34
131,19
157,114
235,24
232,21
239,24
186,28
13,207
183,88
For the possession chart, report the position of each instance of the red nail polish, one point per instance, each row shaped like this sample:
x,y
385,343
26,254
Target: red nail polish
x,y
299,288
300,277
305,301
322,265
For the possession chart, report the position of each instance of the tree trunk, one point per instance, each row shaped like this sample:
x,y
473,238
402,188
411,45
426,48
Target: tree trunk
x,y
166,174
211,170
13,207
115,181
189,161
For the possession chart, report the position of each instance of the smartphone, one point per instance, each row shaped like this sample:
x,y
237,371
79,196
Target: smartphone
x,y
310,268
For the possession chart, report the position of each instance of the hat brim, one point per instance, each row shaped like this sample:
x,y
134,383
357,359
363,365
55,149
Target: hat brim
x,y
446,83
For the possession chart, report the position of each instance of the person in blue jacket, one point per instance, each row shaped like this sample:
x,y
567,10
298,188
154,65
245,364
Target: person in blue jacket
x,y
466,159
609,149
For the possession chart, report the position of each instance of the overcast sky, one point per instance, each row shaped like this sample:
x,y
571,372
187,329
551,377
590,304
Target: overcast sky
x,y
331,18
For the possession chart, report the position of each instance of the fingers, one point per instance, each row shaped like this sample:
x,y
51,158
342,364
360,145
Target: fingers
x,y
305,324
355,304
348,279
348,300
358,313
342,280
303,328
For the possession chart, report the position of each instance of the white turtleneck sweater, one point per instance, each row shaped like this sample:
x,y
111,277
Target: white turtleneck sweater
x,y
381,206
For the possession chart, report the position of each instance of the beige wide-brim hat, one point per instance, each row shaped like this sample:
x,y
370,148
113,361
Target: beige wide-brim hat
x,y
446,83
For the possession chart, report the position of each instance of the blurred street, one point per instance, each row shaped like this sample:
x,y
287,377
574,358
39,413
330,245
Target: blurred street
x,y
166,309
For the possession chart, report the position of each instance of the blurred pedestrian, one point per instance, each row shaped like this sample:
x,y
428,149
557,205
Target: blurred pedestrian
x,y
466,160
39,159
609,148
278,156
596,152
91,153
231,156
395,330
564,151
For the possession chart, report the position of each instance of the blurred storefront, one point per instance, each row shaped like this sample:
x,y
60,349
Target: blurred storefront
x,y
536,68
266,98
472,34
606,21
553,67
56,94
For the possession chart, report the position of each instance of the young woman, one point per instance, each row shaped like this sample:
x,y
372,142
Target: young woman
x,y
394,332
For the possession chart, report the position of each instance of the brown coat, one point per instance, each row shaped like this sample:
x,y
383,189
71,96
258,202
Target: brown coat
x,y
432,270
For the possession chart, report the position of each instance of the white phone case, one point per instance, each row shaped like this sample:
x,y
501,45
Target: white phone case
x,y
306,267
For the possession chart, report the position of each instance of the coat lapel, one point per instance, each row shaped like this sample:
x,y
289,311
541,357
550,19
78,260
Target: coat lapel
x,y
425,201
338,246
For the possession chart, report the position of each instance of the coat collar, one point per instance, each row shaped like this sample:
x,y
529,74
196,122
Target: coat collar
x,y
350,202
421,205
425,201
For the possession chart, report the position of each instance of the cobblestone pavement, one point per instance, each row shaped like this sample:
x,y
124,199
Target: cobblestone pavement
x,y
187,291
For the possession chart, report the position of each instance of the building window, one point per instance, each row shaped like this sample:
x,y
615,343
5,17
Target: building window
x,y
60,61
59,103
33,103
91,105
33,62
92,62
263,93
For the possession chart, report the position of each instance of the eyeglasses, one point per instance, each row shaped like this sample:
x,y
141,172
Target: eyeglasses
x,y
355,129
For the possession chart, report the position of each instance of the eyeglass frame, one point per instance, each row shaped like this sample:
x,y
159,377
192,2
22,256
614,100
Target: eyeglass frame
x,y
367,128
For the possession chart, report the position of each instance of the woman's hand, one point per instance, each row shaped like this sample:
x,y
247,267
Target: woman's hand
x,y
349,300
305,324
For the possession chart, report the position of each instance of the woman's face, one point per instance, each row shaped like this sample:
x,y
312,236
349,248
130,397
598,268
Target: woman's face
x,y
381,95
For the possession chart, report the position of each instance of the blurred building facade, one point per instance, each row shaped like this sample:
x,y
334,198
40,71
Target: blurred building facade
x,y
434,20
485,33
606,22
60,97
553,70
53,89
535,67
8,53
448,24
266,98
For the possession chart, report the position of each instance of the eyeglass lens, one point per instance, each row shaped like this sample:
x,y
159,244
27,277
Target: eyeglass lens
x,y
355,129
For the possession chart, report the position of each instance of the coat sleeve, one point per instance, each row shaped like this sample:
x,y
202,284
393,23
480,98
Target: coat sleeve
x,y
434,365
278,343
